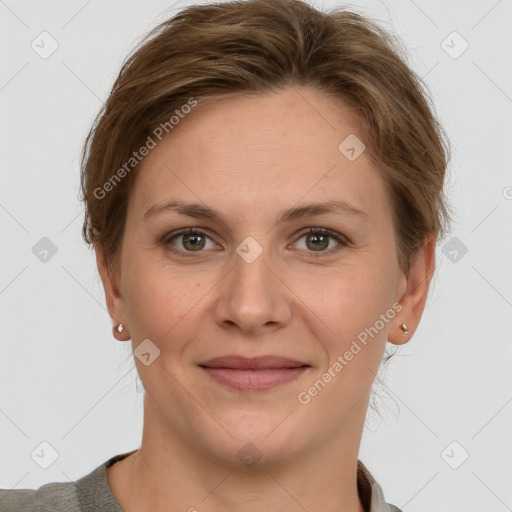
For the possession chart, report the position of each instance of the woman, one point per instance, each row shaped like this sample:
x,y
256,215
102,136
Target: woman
x,y
264,193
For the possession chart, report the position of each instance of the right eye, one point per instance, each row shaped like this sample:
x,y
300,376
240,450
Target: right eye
x,y
192,240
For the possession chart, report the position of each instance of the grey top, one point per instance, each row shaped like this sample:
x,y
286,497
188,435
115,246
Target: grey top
x,y
92,493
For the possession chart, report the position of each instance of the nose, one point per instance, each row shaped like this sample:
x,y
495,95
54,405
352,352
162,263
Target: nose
x,y
253,297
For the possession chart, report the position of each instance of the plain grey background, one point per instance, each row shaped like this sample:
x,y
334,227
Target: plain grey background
x,y
64,379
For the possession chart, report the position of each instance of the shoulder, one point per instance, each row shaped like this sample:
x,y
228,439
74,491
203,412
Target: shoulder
x,y
371,493
91,492
51,497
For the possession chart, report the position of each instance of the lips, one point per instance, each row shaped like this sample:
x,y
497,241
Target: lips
x,y
252,363
253,374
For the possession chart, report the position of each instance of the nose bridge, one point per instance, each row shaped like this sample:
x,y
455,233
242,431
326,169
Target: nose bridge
x,y
252,295
252,266
252,274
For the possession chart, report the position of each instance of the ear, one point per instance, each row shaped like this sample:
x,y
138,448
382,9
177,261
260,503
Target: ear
x,y
113,298
413,292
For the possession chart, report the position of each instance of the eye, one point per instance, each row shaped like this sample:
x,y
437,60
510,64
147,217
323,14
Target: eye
x,y
318,239
192,240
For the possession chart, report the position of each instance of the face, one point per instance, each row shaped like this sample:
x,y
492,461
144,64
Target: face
x,y
254,279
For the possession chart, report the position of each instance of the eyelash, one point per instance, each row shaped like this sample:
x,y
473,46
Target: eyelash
x,y
341,239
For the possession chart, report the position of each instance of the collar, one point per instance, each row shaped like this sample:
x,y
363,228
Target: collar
x,y
94,492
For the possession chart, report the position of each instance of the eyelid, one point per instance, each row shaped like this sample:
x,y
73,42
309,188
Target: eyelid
x,y
340,238
166,239
327,231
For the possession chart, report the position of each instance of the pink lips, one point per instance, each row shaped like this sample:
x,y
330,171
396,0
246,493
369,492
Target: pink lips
x,y
253,374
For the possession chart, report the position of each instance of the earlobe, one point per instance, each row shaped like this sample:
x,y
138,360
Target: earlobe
x,y
400,333
113,298
414,298
121,332
404,328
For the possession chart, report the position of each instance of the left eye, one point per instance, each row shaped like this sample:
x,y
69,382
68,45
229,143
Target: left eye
x,y
317,240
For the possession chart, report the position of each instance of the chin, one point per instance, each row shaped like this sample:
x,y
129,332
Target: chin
x,y
257,440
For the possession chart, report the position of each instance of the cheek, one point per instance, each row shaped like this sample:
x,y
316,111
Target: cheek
x,y
360,316
157,300
348,300
356,306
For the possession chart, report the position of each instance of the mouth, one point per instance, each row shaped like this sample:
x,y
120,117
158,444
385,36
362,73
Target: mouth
x,y
253,374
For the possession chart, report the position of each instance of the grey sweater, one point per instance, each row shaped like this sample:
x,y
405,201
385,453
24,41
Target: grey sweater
x,y
92,493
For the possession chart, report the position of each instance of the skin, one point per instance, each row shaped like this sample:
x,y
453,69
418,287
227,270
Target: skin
x,y
251,157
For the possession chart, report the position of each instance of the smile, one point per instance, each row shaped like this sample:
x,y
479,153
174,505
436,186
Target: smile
x,y
254,380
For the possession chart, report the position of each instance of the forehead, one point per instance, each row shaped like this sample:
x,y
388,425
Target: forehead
x,y
267,149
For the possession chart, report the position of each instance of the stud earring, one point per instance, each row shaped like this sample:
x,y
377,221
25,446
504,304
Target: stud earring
x,y
404,328
118,332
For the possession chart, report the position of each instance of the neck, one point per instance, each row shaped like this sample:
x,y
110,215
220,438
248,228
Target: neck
x,y
168,473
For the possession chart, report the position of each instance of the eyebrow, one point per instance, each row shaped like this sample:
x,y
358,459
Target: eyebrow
x,y
201,211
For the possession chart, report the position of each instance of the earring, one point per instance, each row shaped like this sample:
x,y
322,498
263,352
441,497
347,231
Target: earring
x,y
404,328
120,332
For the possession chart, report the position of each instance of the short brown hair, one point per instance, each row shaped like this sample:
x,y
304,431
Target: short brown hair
x,y
259,46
